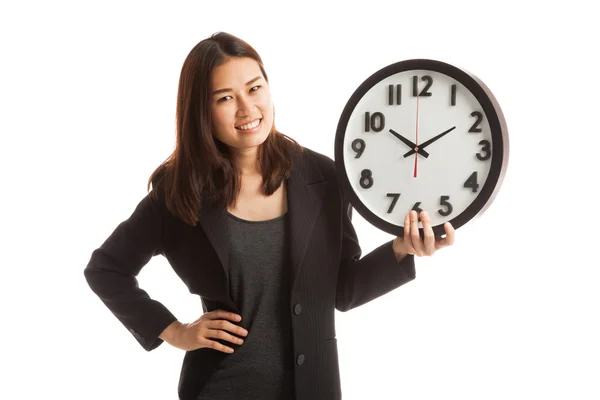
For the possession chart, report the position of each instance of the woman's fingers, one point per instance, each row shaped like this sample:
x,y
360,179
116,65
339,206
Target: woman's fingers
x,y
428,244
223,335
216,325
449,239
222,314
415,235
428,236
226,326
408,247
211,344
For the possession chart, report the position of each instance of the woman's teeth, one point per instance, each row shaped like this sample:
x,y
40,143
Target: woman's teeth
x,y
248,126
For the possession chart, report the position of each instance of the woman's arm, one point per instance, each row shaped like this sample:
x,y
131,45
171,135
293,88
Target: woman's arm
x,y
113,267
361,280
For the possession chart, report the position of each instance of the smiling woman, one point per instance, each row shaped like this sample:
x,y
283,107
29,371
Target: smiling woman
x,y
224,125
256,226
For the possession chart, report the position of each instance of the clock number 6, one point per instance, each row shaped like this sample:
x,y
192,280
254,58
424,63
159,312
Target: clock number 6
x,y
366,179
417,208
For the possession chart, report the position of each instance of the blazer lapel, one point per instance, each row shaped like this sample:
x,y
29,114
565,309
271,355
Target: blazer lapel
x,y
305,190
213,220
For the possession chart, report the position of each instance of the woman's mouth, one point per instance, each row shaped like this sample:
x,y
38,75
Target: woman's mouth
x,y
253,126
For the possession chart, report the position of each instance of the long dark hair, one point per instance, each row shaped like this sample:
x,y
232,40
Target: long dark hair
x,y
201,167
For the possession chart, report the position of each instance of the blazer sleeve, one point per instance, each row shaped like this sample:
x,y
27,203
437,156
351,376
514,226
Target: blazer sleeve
x,y
361,280
113,267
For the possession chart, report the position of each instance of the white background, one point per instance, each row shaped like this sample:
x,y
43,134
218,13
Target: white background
x,y
87,112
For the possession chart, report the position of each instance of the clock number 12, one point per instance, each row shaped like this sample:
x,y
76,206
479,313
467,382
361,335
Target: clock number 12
x,y
425,92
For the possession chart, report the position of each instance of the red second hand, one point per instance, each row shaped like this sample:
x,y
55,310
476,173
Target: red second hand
x,y
417,138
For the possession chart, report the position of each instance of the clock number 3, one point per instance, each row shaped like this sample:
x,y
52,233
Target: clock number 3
x,y
485,149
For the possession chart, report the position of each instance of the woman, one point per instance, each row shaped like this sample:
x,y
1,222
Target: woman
x,y
256,226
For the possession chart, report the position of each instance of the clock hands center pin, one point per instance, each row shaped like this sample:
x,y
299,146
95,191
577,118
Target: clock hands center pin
x,y
409,143
430,141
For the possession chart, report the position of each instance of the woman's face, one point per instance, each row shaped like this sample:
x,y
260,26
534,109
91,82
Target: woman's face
x,y
242,111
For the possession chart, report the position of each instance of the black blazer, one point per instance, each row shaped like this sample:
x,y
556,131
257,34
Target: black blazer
x,y
328,273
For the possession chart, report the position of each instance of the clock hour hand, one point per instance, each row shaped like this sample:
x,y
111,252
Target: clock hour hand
x,y
428,142
409,144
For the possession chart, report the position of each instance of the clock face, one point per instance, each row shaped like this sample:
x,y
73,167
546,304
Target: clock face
x,y
423,135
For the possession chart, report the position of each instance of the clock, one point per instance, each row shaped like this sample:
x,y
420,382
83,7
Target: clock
x,y
419,135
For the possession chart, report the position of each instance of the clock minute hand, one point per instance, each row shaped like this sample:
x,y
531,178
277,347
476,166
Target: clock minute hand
x,y
428,142
409,144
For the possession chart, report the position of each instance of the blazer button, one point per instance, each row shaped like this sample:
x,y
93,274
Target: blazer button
x,y
297,309
300,359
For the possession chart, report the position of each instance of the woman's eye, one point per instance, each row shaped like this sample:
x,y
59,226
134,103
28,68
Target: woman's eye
x,y
223,99
255,88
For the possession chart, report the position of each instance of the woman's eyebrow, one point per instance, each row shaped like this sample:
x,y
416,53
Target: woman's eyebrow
x,y
251,81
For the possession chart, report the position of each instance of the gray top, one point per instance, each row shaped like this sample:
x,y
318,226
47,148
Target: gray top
x,y
262,367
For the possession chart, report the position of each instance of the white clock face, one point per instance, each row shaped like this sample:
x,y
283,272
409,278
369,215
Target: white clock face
x,y
390,120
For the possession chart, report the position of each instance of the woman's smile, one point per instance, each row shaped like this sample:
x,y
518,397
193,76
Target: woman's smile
x,y
251,127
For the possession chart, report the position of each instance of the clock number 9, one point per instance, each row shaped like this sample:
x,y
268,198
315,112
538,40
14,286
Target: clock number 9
x,y
358,145
366,179
376,122
486,149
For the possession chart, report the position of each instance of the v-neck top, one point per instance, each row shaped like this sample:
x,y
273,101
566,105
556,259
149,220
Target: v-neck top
x,y
259,266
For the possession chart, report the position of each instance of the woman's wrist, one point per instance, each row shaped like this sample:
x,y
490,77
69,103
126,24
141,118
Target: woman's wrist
x,y
170,332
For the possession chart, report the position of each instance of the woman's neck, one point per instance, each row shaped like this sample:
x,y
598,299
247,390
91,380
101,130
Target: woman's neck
x,y
247,162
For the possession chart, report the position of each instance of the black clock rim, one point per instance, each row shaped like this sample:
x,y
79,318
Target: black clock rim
x,y
498,129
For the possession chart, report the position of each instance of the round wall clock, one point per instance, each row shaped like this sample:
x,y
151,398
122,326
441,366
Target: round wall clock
x,y
425,135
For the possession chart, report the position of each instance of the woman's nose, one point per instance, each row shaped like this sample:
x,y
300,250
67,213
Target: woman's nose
x,y
245,106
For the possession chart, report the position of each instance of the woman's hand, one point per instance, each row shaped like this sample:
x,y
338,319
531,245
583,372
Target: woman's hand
x,y
412,243
211,325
